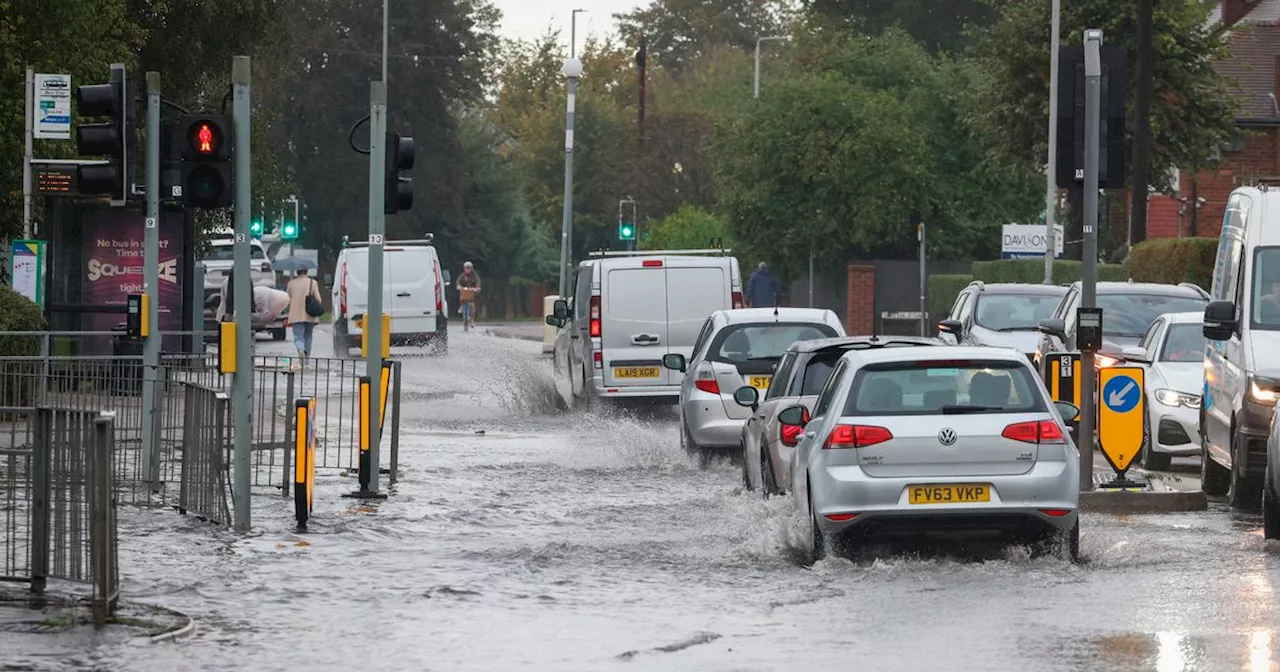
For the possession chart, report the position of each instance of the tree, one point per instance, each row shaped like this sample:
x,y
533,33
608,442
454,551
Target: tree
x,y
678,32
689,228
938,25
1191,113
867,137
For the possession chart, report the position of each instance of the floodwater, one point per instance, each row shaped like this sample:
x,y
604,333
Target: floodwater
x,y
521,536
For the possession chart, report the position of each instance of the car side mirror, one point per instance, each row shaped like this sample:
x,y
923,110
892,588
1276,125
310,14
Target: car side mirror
x,y
797,416
1220,320
1135,353
560,309
1066,410
555,321
953,327
747,396
675,362
1053,327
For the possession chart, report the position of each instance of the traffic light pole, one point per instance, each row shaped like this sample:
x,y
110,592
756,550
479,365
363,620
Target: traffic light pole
x,y
151,283
377,227
1088,278
242,386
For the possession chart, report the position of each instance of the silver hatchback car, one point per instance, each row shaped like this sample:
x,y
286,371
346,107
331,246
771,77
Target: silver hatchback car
x,y
736,348
957,438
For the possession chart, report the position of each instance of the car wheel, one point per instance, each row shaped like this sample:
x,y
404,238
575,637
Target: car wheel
x,y
768,481
1150,458
278,334
746,470
1246,491
440,344
1215,480
817,549
1063,545
341,345
1270,508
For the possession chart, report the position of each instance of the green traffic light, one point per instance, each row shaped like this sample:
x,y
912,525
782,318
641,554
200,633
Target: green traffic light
x,y
256,227
626,232
289,231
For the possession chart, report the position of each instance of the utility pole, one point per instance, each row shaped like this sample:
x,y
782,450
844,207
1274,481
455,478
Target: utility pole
x,y
573,32
377,228
1051,188
1142,127
386,29
756,88
151,284
28,153
1088,298
924,308
572,71
242,385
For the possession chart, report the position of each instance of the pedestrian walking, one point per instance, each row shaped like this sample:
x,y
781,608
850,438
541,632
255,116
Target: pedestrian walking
x,y
305,309
763,288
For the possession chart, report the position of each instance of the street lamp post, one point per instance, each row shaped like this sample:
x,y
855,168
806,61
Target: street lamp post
x,y
1051,189
573,32
758,41
572,72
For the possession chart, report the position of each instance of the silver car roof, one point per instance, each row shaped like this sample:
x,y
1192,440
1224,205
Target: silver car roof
x,y
942,352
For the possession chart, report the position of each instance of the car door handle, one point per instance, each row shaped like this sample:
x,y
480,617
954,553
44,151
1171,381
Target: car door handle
x,y
809,435
402,294
574,336
645,339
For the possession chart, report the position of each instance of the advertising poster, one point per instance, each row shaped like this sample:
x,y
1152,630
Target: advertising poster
x,y
113,258
26,269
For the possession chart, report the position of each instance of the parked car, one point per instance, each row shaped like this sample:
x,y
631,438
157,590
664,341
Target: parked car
x,y
630,310
801,374
412,295
737,348
1001,314
1172,352
1128,309
945,438
1242,358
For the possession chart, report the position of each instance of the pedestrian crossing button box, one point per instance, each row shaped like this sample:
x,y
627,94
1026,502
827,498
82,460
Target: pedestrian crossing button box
x,y
1089,329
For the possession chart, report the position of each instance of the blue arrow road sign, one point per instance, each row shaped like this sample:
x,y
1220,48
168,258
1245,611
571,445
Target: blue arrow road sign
x,y
1121,394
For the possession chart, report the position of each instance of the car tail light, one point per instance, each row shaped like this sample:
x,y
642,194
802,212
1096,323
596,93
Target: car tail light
x,y
652,263
737,300
595,317
435,266
1036,431
856,436
791,435
342,291
841,517
598,358
706,381
1055,513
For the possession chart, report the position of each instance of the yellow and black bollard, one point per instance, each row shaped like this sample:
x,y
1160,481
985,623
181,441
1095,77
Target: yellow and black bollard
x,y
304,466
366,456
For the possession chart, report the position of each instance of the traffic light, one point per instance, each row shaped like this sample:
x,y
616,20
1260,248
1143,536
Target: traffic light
x,y
289,230
204,144
108,138
257,226
626,231
399,190
1111,141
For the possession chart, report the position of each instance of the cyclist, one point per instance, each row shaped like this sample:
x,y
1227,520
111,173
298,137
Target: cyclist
x,y
468,286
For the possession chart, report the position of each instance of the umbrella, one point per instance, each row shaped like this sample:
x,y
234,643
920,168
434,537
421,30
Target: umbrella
x,y
293,264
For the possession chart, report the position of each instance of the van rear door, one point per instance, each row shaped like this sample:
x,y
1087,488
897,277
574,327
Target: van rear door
x,y
357,284
633,330
696,288
411,291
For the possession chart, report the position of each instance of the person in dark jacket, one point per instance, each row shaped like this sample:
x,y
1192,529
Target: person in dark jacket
x,y
763,288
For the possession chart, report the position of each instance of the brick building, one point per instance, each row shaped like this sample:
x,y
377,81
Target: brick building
x,y
1254,64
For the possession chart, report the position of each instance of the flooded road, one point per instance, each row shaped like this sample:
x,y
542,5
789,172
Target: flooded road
x,y
524,537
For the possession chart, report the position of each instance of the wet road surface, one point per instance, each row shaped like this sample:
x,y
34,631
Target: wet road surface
x,y
559,541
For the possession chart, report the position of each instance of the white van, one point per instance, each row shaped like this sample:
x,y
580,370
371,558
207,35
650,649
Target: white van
x,y
629,309
412,294
1242,356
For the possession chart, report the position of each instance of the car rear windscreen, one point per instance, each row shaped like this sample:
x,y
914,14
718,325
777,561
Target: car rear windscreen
x,y
747,342
938,387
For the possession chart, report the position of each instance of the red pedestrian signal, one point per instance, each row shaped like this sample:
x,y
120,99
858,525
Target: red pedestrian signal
x,y
207,171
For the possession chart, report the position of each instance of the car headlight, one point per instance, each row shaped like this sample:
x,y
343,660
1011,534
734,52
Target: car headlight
x,y
1176,398
1102,361
1264,393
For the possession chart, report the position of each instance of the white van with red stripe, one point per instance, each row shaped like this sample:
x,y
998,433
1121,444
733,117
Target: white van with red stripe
x,y
412,294
629,309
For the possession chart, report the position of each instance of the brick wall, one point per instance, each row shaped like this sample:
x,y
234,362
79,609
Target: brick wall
x,y
861,313
1260,157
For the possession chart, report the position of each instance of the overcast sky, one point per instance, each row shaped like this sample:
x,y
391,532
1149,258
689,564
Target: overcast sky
x,y
529,19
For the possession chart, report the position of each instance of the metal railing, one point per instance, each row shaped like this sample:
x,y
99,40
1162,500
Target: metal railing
x,y
206,442
59,507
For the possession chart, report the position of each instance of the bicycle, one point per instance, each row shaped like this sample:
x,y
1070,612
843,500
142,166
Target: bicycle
x,y
466,316
467,296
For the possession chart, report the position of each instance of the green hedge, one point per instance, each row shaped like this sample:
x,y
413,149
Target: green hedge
x,y
1032,271
943,290
18,313
1175,260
